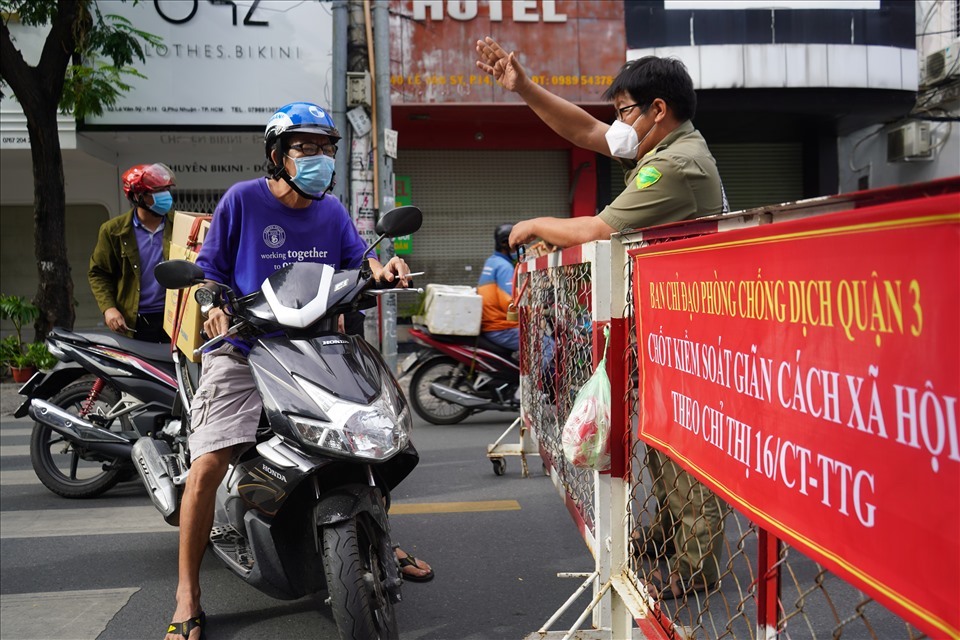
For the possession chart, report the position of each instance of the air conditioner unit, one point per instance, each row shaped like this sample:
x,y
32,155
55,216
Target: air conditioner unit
x,y
909,141
942,65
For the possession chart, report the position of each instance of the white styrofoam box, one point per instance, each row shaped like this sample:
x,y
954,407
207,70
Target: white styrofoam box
x,y
453,310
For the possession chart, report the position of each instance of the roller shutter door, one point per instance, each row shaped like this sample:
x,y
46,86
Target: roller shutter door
x,y
753,175
464,195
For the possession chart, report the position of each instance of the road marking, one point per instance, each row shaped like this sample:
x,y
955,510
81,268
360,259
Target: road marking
x,y
11,478
48,523
11,450
60,615
411,508
16,431
82,522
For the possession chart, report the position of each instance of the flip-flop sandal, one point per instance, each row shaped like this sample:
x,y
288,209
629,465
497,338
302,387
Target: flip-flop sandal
x,y
410,561
665,588
184,628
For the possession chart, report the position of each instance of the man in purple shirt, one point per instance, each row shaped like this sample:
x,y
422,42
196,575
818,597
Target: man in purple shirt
x,y
128,248
260,226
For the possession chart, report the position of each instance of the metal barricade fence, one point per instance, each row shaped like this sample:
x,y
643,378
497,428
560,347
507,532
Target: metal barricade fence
x,y
672,559
556,357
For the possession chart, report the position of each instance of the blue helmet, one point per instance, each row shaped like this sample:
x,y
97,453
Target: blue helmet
x,y
304,117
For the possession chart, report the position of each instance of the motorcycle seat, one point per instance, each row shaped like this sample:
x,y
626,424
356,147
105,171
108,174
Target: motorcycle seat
x,y
149,350
478,341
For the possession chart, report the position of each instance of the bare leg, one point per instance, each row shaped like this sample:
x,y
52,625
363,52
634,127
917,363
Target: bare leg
x,y
196,519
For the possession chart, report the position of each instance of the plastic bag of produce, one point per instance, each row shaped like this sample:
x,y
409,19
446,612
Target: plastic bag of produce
x,y
586,433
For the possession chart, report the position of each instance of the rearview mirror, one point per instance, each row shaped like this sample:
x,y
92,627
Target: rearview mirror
x,y
178,274
399,222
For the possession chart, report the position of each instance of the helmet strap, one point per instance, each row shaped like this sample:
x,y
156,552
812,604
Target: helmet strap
x,y
275,169
278,171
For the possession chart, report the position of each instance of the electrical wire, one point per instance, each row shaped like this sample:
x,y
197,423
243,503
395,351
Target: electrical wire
x,y
853,151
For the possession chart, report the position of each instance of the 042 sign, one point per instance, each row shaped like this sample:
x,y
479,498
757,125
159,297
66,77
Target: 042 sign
x,y
180,12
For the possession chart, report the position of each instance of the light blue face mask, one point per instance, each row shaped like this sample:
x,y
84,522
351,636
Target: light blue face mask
x,y
162,203
314,173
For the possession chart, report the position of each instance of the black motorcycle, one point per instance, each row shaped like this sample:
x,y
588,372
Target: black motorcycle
x,y
306,508
454,377
124,388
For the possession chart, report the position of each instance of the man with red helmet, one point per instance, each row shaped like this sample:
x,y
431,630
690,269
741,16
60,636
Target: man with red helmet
x,y
128,248
257,227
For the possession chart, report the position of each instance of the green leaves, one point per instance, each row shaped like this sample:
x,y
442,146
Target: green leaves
x,y
88,90
28,12
39,356
102,62
18,311
104,50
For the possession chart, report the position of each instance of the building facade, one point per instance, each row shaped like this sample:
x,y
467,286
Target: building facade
x,y
797,98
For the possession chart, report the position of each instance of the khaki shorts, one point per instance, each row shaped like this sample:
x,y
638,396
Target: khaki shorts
x,y
226,407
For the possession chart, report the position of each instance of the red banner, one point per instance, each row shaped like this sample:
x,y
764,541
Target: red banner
x,y
809,372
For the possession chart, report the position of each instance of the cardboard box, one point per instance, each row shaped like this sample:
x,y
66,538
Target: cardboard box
x,y
183,224
188,338
453,310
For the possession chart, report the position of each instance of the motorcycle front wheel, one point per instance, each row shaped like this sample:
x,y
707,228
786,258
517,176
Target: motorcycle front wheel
x,y
361,605
428,406
58,464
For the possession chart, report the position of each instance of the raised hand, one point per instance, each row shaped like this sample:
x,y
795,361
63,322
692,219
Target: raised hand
x,y
504,67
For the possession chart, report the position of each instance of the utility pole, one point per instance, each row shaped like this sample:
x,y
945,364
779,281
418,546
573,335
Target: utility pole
x,y
367,48
339,101
381,48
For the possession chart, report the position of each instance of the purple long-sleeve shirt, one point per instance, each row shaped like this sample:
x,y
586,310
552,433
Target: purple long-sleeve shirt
x,y
253,234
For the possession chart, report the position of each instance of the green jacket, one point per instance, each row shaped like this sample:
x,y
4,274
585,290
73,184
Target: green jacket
x,y
114,272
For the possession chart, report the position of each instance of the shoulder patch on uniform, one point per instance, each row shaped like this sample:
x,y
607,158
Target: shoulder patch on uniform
x,y
647,176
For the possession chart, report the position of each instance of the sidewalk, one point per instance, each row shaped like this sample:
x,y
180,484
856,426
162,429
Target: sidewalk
x,y
9,398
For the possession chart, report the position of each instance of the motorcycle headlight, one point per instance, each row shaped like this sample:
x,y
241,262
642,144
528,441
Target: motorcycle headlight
x,y
376,431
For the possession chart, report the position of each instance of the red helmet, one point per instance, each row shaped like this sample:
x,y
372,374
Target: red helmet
x,y
146,178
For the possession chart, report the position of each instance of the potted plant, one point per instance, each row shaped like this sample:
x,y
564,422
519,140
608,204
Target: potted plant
x,y
19,312
39,356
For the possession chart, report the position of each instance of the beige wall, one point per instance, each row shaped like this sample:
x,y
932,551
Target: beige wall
x,y
93,194
18,273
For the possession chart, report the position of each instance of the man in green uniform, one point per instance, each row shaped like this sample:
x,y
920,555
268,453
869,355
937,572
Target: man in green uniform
x,y
670,176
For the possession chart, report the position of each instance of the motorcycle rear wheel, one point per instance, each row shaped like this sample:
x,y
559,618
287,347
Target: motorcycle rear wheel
x,y
361,605
429,407
58,465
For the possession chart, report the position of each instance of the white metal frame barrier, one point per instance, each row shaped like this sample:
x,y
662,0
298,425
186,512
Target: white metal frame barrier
x,y
615,604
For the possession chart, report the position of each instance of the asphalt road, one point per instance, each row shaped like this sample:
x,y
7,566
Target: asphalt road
x,y
105,568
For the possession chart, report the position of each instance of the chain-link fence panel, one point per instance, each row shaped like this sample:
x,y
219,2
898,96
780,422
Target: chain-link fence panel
x,y
556,360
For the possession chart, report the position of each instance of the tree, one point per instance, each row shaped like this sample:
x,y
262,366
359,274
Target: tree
x,y
84,59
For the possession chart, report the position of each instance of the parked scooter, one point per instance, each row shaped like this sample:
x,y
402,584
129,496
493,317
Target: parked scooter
x,y
306,508
123,388
457,376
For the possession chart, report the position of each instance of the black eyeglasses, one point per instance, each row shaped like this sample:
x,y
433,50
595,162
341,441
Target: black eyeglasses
x,y
312,149
623,112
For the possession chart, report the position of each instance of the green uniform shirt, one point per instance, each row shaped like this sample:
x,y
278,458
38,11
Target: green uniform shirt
x,y
678,180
